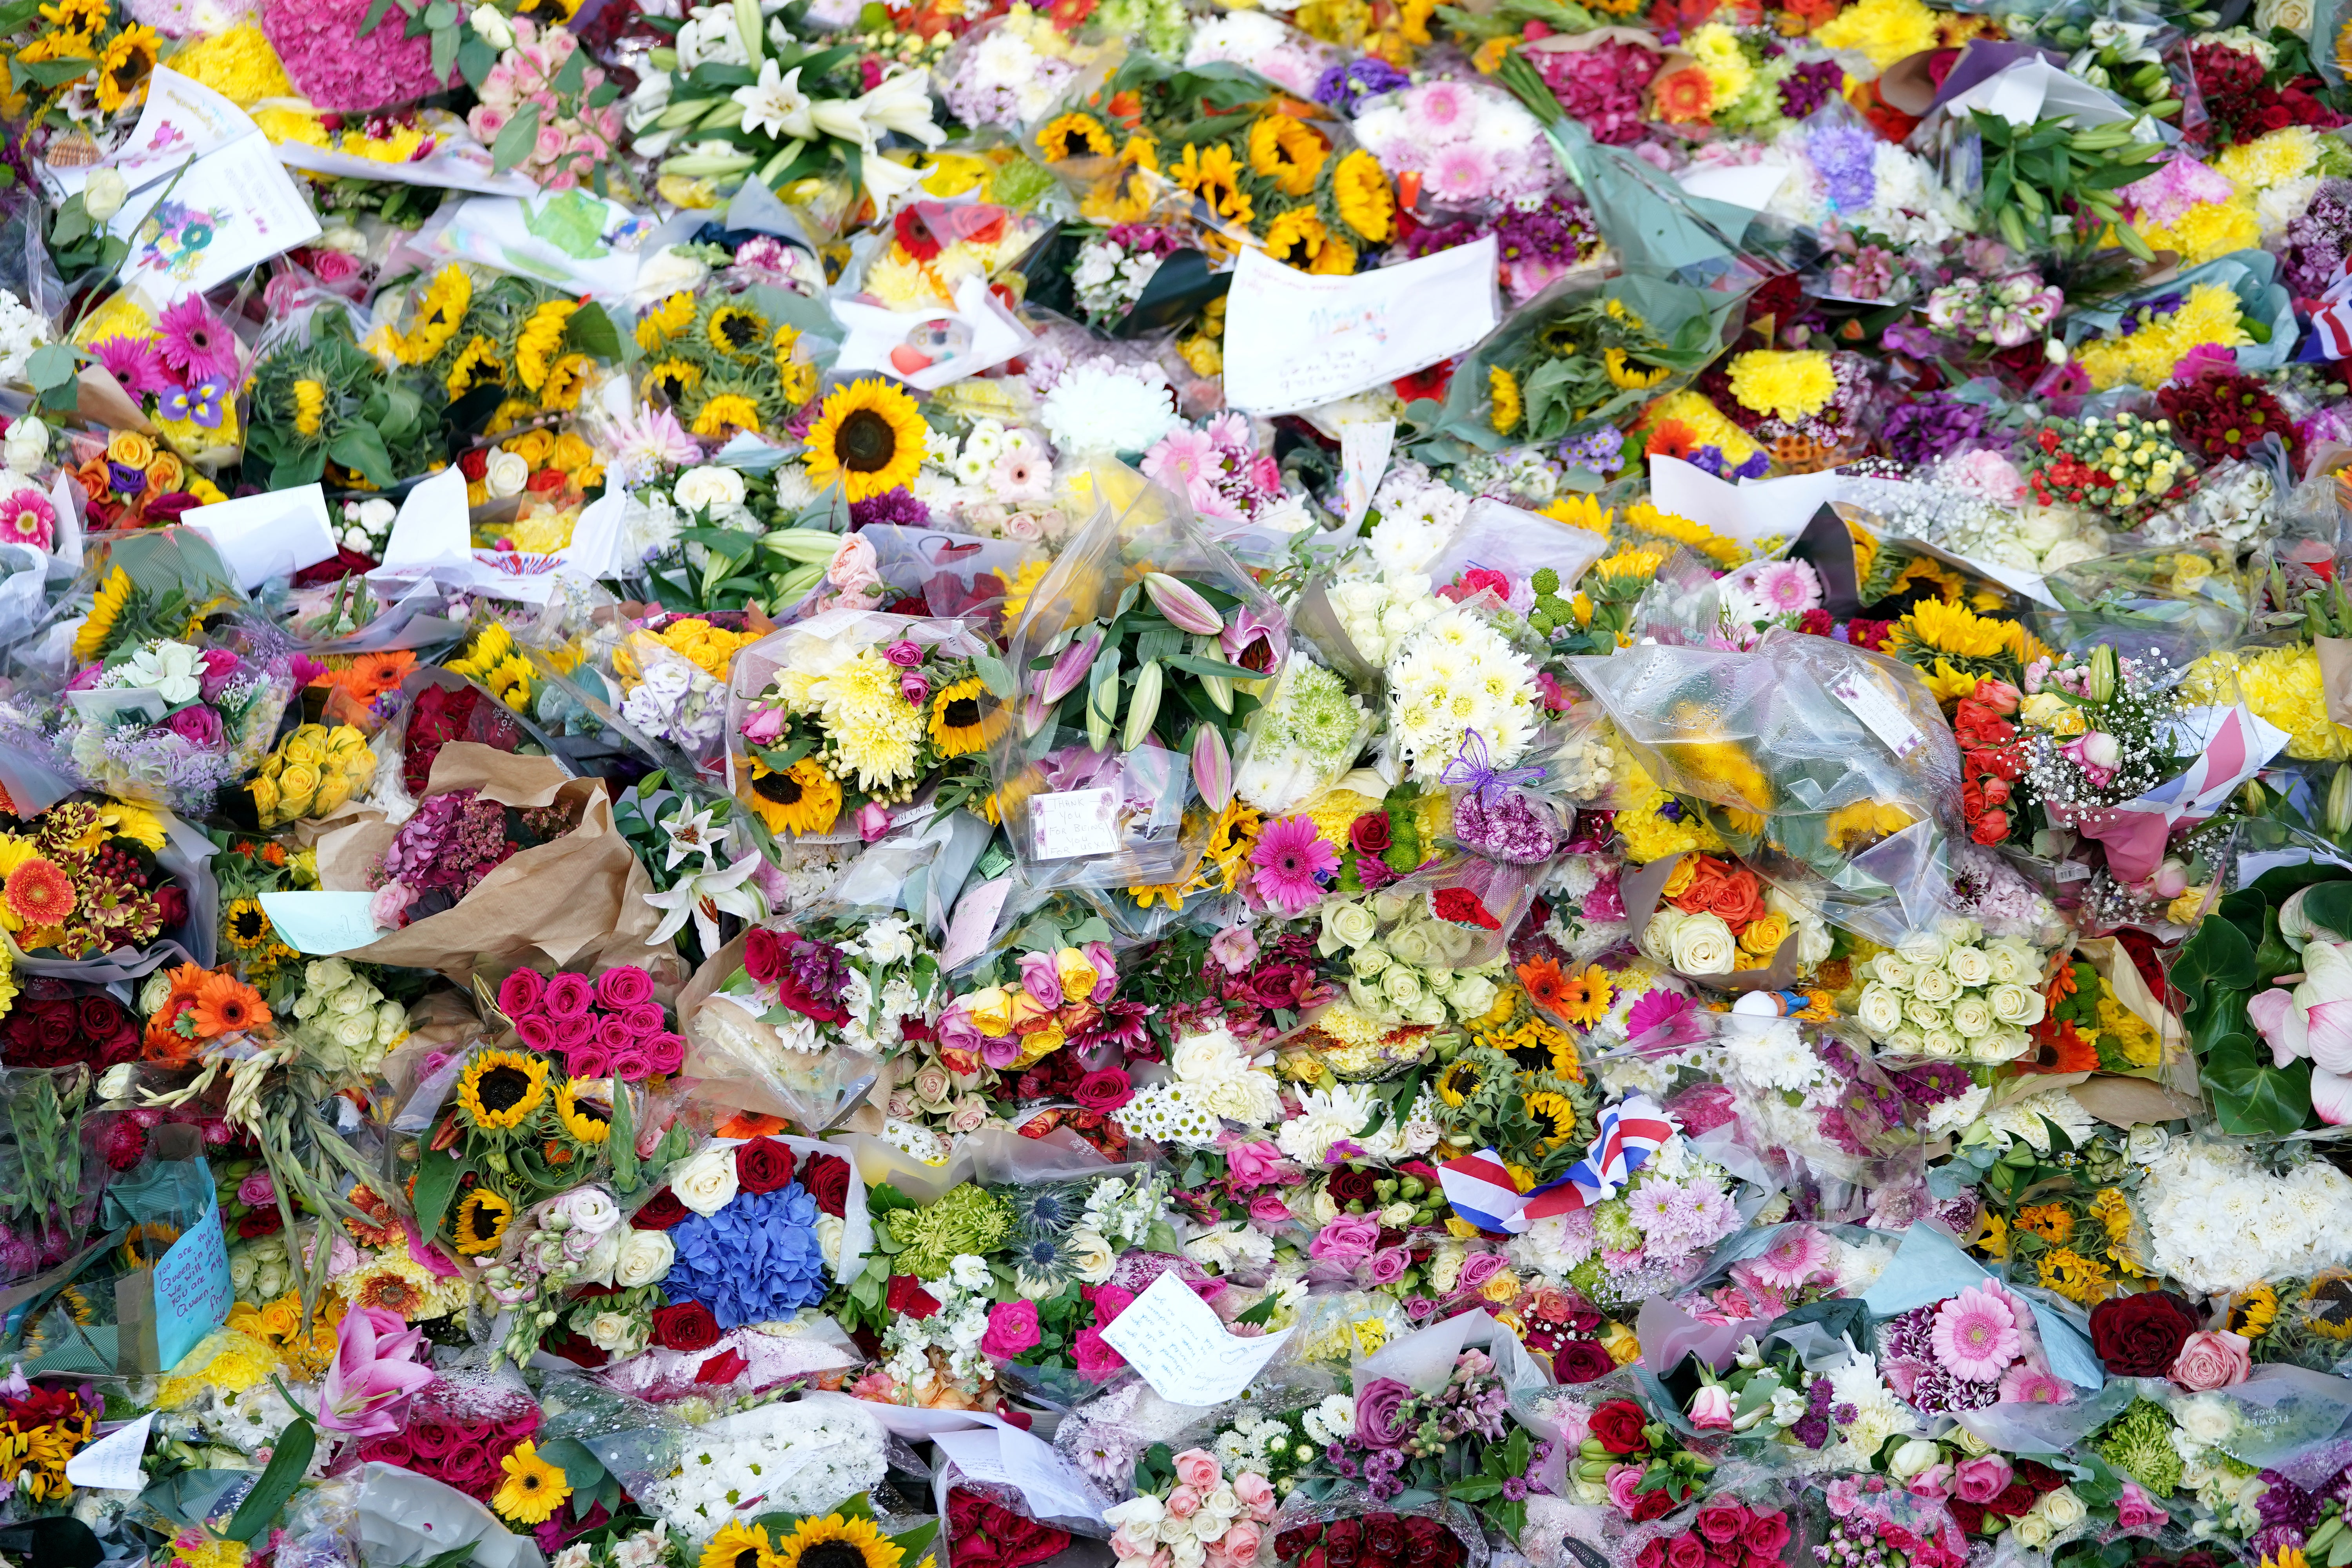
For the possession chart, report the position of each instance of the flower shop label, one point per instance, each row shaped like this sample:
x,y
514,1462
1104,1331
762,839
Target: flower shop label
x,y
1882,714
1075,822
1294,341
112,1463
1181,1348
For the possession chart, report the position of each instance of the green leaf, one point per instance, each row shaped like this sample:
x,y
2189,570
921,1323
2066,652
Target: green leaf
x,y
441,14
2329,908
591,330
475,58
436,1186
53,365
374,14
1478,1488
48,73
361,450
288,1461
581,1469
994,676
2217,956
516,141
2252,1098
444,55
574,74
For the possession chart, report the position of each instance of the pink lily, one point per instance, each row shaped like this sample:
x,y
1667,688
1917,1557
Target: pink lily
x,y
367,1390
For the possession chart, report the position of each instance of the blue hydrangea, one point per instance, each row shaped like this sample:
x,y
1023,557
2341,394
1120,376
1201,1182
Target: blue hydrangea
x,y
754,1261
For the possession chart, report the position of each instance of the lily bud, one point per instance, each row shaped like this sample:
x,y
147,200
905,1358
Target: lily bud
x,y
1143,707
1070,668
1182,604
2100,685
1212,765
1102,699
2339,801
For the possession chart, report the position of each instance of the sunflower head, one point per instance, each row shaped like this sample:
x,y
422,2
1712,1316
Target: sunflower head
x,y
727,414
833,1540
803,798
1074,136
1556,1112
499,1090
482,1221
675,379
870,435
737,332
587,1119
739,1545
961,718
1460,1080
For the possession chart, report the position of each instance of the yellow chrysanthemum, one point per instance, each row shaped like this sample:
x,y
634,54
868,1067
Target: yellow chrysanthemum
x,y
1787,383
239,64
2208,229
2283,687
1885,30
1503,388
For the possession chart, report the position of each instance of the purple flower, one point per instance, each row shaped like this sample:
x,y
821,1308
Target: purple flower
x,y
896,507
1389,1264
1376,1413
1040,979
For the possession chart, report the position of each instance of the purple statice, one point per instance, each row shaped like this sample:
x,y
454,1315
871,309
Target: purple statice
x,y
1345,87
1809,87
892,507
1929,426
2316,242
1602,451
1505,825
1844,156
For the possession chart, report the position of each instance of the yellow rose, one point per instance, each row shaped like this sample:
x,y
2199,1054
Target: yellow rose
x,y
571,454
281,1318
1078,975
1038,1046
534,447
1622,1346
2048,710
991,1011
1680,878
265,797
270,764
359,767
298,786
334,788
1026,1010
131,449
1764,934
302,748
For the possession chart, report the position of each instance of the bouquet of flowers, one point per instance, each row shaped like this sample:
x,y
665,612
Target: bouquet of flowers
x,y
1967,1351
310,773
1947,995
607,1026
445,850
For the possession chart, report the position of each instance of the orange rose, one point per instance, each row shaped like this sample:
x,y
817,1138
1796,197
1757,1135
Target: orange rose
x,y
1739,898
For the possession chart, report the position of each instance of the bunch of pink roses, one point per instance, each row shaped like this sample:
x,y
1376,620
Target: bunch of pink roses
x,y
1205,1520
577,129
607,1028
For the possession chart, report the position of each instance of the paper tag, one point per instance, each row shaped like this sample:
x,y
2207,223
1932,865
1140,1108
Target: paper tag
x,y
975,917
1182,1350
107,705
1292,341
112,1463
193,1294
1364,448
271,535
1052,1485
321,924
1075,822
1882,714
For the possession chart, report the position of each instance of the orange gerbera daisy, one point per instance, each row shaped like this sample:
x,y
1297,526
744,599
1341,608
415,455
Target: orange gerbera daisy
x,y
227,1006
1670,438
1546,985
40,893
370,674
1585,998
2059,1047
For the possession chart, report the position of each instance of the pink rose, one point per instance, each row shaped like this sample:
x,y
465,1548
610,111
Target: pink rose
x,y
2211,1360
2137,1513
1254,1164
1012,1329
1198,1468
1934,1483
1127,1546
1981,1480
256,1190
1040,979
1348,1238
904,653
1183,1502
763,727
1265,1209
1711,1407
1257,1494
1623,1482
1241,1544
1100,959
1477,1269
873,821
1094,1359
197,725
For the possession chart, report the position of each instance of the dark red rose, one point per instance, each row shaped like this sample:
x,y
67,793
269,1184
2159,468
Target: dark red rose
x,y
1344,1542
1349,1186
261,1222
1581,1361
1617,1425
1652,1555
1424,1541
1383,1535
762,1166
1369,834
1105,1089
100,1016
2038,1476
685,1326
1968,1516
53,1030
1277,986
907,1295
725,1367
659,1211
1685,1550
2141,1336
1768,1533
826,1177
1652,1505
763,955
1291,1543
1316,1557
2016,1500
171,906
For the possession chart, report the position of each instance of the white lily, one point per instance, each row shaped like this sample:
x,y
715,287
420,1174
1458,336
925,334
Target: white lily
x,y
843,120
692,834
903,103
775,103
887,180
702,897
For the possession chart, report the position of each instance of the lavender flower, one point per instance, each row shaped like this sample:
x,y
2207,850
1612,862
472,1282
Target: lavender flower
x,y
1844,156
1345,87
897,507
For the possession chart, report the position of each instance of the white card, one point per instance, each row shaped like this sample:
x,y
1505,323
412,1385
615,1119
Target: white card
x,y
271,535
232,209
321,923
1053,1486
433,527
1075,822
1749,186
110,704
1748,510
975,917
112,1463
1178,1344
183,119
1294,339
1364,448
1882,714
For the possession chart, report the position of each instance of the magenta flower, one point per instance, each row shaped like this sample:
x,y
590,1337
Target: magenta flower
x,y
193,343
134,362
1289,857
375,1373
1975,1335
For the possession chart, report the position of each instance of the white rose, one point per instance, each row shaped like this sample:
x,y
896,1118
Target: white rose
x,y
2018,1005
592,1209
2062,1508
706,1183
1934,985
1922,949
611,1331
1656,941
103,197
2004,1046
709,486
1924,1014
667,271
1703,944
116,1081
269,1281
2205,1418
2030,1531
644,1258
2014,963
1471,996
2295,15
391,1019
1972,1017
506,475
596,1264
355,1033
1351,923
1941,1044
1095,1258
29,444
1913,1459
1880,1010
1892,971
490,25
242,1268
1968,965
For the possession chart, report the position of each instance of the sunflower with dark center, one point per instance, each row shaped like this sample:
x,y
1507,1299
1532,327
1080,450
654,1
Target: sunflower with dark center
x,y
803,798
833,1541
482,1221
248,926
501,1089
736,331
870,436
739,1545
958,726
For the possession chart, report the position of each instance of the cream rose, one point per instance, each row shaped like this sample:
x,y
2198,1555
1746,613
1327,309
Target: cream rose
x,y
2030,1531
1351,923
2018,1005
1968,965
506,475
1656,941
1927,1014
611,1331
1471,996
2062,1508
1892,971
2013,963
1972,1017
706,1183
644,1258
1941,1044
1880,1010
1703,944
714,487
2295,15
1934,985
1922,949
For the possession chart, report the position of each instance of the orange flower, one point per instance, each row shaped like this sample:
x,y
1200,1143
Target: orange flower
x,y
1685,95
371,675
1545,982
40,893
1670,438
2059,1047
748,1124
227,1006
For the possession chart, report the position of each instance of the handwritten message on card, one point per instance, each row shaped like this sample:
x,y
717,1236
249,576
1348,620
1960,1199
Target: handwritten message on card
x,y
1183,1350
193,1294
1294,339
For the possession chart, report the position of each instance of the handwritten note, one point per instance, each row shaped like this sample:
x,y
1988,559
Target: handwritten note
x,y
1052,1485
975,917
1364,448
193,1294
1182,1350
321,924
1075,822
112,1463
1294,339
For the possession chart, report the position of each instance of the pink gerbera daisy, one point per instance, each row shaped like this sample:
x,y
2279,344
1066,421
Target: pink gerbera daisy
x,y
28,518
2031,1386
132,361
1461,172
1787,587
1442,111
1181,457
1976,1335
1289,856
195,343
1797,1254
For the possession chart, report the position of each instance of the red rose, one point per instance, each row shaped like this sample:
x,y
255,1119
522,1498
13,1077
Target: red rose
x,y
659,1211
1383,1536
2141,1336
1722,1522
1617,1427
1684,1551
1767,1534
2038,1476
1968,1516
1582,1361
1369,834
261,1222
1291,1543
725,1367
826,1177
1653,1505
763,955
685,1326
762,1166
1652,1555
907,1295
1349,1186
2016,1500
1105,1089
1425,1541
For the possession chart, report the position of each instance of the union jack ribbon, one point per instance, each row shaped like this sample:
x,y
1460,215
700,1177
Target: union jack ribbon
x,y
1480,1188
518,563
2331,323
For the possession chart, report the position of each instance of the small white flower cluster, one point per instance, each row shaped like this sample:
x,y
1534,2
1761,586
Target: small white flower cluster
x,y
1215,1080
801,1457
1418,518
1378,613
2236,503
1122,1210
677,701
2218,1221
353,1022
1110,277
1323,1119
889,946
1257,1444
1103,407
367,525
1941,995
954,1331
22,330
1309,736
1454,675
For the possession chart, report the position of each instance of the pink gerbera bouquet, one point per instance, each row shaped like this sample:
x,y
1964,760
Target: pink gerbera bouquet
x,y
1967,1351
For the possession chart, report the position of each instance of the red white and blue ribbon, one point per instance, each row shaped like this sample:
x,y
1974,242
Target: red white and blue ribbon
x,y
2331,323
1480,1189
2135,831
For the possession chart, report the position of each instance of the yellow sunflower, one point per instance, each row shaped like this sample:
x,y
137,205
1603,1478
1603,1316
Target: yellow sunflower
x,y
739,1545
1555,1111
482,1221
437,315
1299,238
310,406
960,717
736,331
1360,189
499,1090
835,1541
665,321
1286,152
477,365
112,595
803,798
1458,1082
1074,136
1625,373
533,1488
725,414
542,341
870,436
584,1118
1504,388
674,379
1214,176
564,383
1932,627
125,64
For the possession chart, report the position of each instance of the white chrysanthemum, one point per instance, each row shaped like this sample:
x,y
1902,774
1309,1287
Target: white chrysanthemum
x,y
1097,408
1323,1118
2029,1118
1454,675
